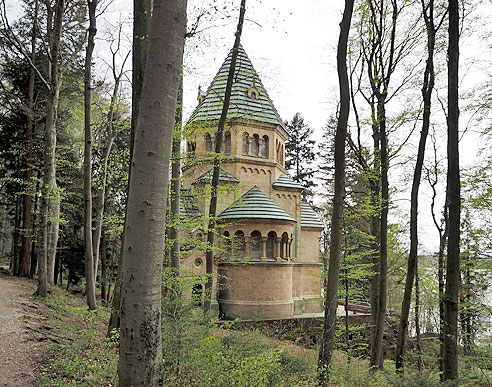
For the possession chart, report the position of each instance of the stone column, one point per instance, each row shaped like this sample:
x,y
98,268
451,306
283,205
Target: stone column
x,y
277,249
263,248
288,247
247,241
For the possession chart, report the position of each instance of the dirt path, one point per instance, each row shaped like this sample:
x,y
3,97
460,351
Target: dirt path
x,y
21,342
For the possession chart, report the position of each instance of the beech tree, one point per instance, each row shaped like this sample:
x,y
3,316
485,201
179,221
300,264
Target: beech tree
x,y
385,43
90,270
453,198
331,283
142,10
140,335
25,256
427,88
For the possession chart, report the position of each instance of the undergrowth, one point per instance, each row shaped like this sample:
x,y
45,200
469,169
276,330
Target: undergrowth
x,y
199,353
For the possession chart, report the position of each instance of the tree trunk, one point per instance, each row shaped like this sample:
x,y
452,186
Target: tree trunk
x,y
427,88
417,316
209,256
35,244
142,10
90,283
54,227
104,274
140,357
383,248
454,203
327,345
50,203
374,186
440,274
25,257
15,240
101,197
176,182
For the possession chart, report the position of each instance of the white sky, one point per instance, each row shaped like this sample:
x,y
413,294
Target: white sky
x,y
292,45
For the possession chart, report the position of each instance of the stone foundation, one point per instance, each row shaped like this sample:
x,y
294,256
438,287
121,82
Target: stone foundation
x,y
268,290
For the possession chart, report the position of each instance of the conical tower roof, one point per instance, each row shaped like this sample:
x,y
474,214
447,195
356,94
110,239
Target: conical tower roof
x,y
254,204
249,98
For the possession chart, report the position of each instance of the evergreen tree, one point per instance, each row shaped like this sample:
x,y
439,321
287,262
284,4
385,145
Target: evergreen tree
x,y
299,153
325,156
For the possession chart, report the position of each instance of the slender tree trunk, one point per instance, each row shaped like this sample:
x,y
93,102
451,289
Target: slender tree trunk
x,y
60,260
50,203
375,236
417,317
443,235
101,197
27,196
57,268
35,244
327,345
347,328
100,203
175,182
209,256
104,274
142,10
454,203
383,248
54,228
15,240
440,274
90,283
375,201
140,357
427,89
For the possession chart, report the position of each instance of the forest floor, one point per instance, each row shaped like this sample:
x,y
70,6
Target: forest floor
x,y
56,341
23,332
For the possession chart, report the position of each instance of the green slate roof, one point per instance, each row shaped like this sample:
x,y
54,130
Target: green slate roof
x,y
241,105
287,182
187,206
223,176
254,204
309,218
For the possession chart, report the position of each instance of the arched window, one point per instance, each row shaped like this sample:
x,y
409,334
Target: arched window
x,y
208,143
245,143
191,146
240,244
197,294
255,145
270,245
264,147
284,245
227,143
255,245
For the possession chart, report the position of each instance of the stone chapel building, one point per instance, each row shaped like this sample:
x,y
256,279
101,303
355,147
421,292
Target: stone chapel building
x,y
268,264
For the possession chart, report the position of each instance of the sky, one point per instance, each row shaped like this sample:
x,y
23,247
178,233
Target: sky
x,y
292,45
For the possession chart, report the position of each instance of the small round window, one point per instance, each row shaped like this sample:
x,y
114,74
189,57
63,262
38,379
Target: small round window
x,y
198,262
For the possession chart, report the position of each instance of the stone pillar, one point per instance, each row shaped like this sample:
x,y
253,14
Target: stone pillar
x,y
288,247
263,256
277,249
247,241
